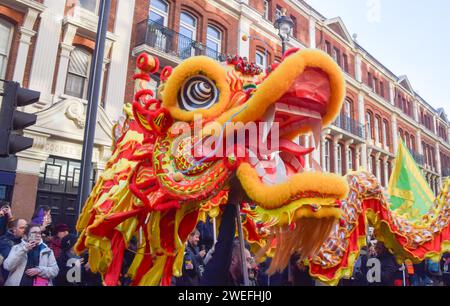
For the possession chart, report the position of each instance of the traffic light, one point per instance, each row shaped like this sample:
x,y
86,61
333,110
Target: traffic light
x,y
12,121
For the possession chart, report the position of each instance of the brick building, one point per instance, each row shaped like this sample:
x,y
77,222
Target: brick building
x,y
48,48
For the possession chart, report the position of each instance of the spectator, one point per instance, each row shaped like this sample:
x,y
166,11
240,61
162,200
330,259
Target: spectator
x,y
277,279
43,217
225,266
445,261
61,231
7,241
206,233
192,262
300,273
433,271
66,261
31,263
5,217
388,265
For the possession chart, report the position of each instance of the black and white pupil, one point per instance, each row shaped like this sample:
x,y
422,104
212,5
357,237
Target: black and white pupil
x,y
198,92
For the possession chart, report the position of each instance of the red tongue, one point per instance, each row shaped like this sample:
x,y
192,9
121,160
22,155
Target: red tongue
x,y
293,148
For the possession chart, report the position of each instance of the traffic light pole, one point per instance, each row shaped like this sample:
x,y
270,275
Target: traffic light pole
x,y
93,96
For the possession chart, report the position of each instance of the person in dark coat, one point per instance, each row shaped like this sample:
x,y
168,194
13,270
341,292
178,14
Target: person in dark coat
x,y
225,266
388,265
7,241
5,217
192,262
206,230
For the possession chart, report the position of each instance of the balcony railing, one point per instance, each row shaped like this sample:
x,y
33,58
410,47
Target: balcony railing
x,y
445,172
348,124
171,42
417,157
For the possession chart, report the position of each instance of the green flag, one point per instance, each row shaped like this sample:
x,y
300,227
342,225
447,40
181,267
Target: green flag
x,y
410,194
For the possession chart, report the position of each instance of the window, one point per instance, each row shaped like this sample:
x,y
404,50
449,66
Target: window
x,y
278,12
61,175
266,9
261,59
386,141
375,85
188,33
213,42
370,80
345,120
294,28
350,159
6,33
89,5
159,12
382,89
78,72
339,159
345,58
337,55
369,125
326,155
328,47
377,129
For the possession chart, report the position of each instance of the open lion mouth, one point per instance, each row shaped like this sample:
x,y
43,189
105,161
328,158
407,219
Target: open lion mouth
x,y
302,106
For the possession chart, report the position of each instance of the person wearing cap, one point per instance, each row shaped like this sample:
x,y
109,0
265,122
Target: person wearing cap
x,y
61,231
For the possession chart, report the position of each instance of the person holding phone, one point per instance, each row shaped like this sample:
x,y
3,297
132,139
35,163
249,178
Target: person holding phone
x,y
5,217
31,263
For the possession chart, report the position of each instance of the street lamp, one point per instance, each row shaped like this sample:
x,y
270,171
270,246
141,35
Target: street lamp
x,y
284,24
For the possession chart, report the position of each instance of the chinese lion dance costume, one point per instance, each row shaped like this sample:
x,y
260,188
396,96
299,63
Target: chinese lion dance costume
x,y
164,175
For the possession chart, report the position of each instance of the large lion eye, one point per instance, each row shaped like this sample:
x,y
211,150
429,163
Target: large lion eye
x,y
198,92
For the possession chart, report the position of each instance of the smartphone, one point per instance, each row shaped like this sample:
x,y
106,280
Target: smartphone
x,y
32,238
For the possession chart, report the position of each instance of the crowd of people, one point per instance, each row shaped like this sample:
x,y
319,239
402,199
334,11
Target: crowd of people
x,y
37,253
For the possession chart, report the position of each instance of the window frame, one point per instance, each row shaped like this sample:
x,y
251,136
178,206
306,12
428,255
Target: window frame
x,y
213,39
265,59
188,27
369,124
266,9
86,78
157,11
339,160
8,51
97,8
326,155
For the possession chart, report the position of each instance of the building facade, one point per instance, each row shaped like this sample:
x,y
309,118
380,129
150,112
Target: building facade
x,y
47,45
48,48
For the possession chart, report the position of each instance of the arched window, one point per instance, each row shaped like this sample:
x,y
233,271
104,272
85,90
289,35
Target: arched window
x,y
261,59
401,133
6,34
188,35
348,108
89,5
159,12
78,73
213,42
369,125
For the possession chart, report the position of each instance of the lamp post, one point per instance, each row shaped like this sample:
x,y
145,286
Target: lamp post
x,y
284,24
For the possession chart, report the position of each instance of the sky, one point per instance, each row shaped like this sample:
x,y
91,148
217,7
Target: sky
x,y
409,37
